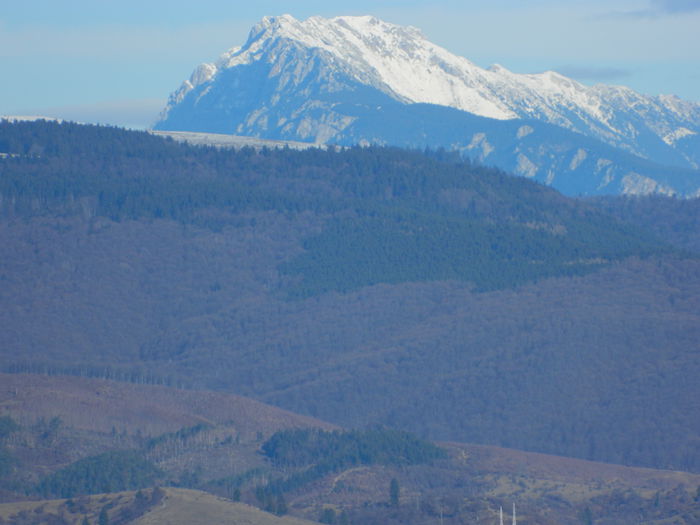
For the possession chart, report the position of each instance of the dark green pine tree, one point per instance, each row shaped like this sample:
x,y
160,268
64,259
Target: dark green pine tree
x,y
103,519
394,493
280,505
327,516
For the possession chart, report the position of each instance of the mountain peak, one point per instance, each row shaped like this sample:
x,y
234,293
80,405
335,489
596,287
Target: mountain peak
x,y
398,60
298,80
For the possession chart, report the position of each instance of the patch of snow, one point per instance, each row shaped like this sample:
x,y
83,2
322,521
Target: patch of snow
x,y
673,137
28,118
525,166
524,131
551,175
479,142
580,156
602,164
636,184
609,177
233,141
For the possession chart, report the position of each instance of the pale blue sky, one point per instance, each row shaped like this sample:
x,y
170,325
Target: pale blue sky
x,y
117,61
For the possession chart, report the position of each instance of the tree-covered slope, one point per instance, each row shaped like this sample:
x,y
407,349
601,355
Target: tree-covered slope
x,y
390,215
361,286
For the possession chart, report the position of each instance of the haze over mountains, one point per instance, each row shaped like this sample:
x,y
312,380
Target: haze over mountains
x,y
350,80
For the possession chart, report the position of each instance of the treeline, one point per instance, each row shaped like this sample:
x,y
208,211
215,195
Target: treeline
x,y
109,472
131,374
7,461
231,486
339,449
134,174
393,215
314,453
395,248
675,220
181,435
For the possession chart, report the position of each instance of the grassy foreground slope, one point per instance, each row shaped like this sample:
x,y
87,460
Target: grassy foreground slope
x,y
183,507
173,506
343,477
96,405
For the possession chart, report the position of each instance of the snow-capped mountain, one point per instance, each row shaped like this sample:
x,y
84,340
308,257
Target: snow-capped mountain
x,y
324,80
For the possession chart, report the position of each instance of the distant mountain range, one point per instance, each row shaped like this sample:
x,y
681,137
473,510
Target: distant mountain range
x,y
359,80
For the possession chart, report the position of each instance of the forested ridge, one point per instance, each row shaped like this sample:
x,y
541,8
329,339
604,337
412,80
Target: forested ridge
x,y
360,286
107,472
395,215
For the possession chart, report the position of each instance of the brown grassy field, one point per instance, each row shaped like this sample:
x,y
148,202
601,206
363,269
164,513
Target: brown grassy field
x,y
175,507
100,406
185,507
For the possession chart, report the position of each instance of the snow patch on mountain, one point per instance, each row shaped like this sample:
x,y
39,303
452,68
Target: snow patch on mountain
x,y
580,156
674,136
524,131
636,184
28,118
480,145
526,167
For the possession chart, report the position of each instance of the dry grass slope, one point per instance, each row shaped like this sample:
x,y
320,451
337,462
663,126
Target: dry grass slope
x,y
175,507
464,488
98,405
193,507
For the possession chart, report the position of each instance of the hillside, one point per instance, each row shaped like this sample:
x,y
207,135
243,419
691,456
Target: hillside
x,y
62,421
675,220
150,409
232,141
173,506
360,286
301,470
192,507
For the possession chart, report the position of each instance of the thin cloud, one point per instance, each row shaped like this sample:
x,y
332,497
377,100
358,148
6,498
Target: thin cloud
x,y
121,42
676,6
133,113
659,8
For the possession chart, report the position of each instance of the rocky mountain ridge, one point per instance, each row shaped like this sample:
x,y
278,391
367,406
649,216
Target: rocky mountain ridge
x,y
337,80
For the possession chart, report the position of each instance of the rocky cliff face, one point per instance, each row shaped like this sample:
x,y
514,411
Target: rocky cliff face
x,y
360,80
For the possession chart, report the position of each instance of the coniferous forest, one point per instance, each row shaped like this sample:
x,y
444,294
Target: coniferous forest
x,y
390,216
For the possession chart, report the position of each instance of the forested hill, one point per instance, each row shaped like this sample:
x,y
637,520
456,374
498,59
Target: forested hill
x,y
388,215
362,286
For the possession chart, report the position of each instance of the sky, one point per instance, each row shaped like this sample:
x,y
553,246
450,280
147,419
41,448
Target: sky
x,y
116,62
